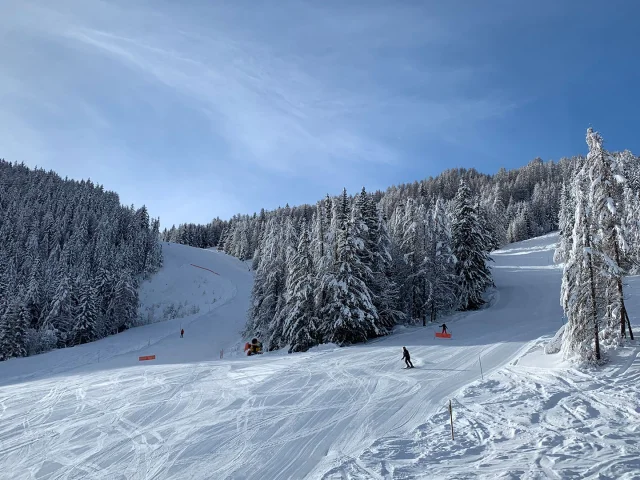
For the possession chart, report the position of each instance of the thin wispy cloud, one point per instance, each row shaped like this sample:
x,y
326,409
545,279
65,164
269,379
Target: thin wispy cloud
x,y
270,102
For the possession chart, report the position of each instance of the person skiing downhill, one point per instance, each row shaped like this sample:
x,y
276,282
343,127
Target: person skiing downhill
x,y
182,333
406,357
444,328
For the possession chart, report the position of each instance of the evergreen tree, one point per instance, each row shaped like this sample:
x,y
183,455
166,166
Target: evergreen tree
x,y
123,307
85,328
605,208
567,215
268,285
578,291
469,248
61,315
438,266
13,329
349,315
301,323
287,252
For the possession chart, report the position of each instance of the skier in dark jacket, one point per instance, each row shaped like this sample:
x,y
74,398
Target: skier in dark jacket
x,y
444,328
406,357
181,332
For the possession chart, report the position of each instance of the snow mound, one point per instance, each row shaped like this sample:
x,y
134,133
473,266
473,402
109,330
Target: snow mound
x,y
555,344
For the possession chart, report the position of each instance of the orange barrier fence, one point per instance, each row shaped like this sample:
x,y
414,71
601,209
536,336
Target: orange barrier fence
x,y
147,357
443,335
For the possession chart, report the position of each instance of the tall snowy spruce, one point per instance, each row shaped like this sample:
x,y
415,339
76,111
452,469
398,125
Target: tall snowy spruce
x,y
579,290
606,202
85,328
349,315
565,223
287,253
384,286
61,242
301,324
470,244
592,288
438,265
268,284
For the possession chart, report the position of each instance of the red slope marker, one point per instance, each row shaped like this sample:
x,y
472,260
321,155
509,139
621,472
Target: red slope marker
x,y
443,335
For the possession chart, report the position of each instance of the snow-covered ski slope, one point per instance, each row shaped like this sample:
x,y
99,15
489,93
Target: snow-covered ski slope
x,y
328,413
221,298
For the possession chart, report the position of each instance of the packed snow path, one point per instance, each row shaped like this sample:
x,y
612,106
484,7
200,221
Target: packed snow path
x,y
190,414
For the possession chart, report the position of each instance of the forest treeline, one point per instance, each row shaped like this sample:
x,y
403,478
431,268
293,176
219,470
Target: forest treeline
x,y
71,258
350,267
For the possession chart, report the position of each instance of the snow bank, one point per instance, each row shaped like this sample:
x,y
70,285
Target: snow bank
x,y
555,344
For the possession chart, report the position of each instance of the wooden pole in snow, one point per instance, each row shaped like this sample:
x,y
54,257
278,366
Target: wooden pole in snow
x,y
451,418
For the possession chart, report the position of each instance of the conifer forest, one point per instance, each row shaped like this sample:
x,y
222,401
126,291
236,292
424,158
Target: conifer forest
x,y
344,270
71,258
350,267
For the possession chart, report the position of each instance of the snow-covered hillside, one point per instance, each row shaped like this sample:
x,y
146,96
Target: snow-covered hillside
x,y
220,295
95,411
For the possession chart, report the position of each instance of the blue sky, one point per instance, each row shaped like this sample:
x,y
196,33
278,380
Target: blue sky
x,y
209,108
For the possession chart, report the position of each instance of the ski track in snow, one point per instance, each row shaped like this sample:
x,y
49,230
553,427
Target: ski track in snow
x,y
525,422
95,411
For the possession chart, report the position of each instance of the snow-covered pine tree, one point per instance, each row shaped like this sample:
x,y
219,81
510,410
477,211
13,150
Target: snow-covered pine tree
x,y
632,227
33,298
495,214
13,330
607,222
123,307
60,317
349,315
301,322
241,247
578,291
408,233
469,249
268,285
566,218
321,254
330,228
287,252
383,287
420,247
438,265
318,236
399,269
85,328
363,231
340,210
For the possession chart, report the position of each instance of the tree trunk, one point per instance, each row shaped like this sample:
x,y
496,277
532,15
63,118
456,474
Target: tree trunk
x,y
628,324
593,301
623,308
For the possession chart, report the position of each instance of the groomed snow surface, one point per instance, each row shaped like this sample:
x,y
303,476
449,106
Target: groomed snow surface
x,y
96,411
